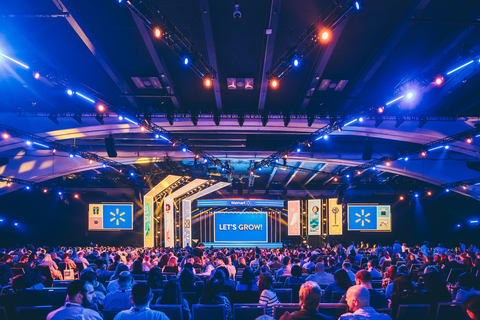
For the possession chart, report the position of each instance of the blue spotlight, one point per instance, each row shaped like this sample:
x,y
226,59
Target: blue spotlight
x,y
348,176
296,62
458,226
120,117
358,5
260,169
29,143
157,136
374,168
409,95
325,136
298,149
447,190
184,149
205,160
416,195
17,62
360,119
70,92
60,193
447,147
132,174
16,224
186,60
406,158
28,187
71,155
104,165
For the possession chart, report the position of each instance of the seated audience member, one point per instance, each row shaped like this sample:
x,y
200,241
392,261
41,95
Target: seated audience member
x,y
309,296
452,263
275,263
472,307
102,273
377,299
383,259
22,263
248,282
388,276
137,267
358,300
155,278
48,262
428,262
198,264
23,297
298,262
198,250
100,291
404,292
211,295
242,264
226,285
116,262
81,259
285,270
296,277
35,278
267,293
113,284
80,295
435,288
141,297
70,264
347,266
232,271
6,274
172,265
172,294
120,298
341,284
332,268
371,268
412,259
321,277
469,285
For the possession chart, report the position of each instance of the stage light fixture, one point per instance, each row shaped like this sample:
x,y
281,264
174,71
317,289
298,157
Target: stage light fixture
x,y
358,5
142,128
447,190
298,149
54,151
264,120
439,80
388,163
416,195
9,184
157,32
335,179
216,119
241,120
5,135
75,196
310,119
286,120
120,117
208,83
60,193
325,35
70,92
27,187
184,149
464,187
15,224
100,108
380,109
429,193
374,168
423,154
360,119
359,172
274,83
71,155
28,142
194,118
409,95
45,190
99,118
104,165
186,60
401,198
132,174
78,118
296,62
53,118
469,140
36,75
447,147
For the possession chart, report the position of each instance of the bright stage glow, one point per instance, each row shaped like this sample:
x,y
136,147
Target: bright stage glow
x,y
416,195
438,81
70,155
447,147
185,60
325,35
184,149
401,198
130,120
447,190
36,75
406,158
295,62
274,83
27,187
380,109
104,165
5,136
298,149
409,95
462,66
348,123
70,92
435,148
17,62
396,99
101,107
60,193
208,82
348,176
157,32
360,119
357,5
120,117
84,97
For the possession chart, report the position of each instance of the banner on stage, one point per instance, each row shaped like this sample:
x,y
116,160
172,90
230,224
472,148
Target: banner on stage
x,y
148,221
240,203
169,230
314,217
187,223
294,218
369,217
111,216
335,218
240,227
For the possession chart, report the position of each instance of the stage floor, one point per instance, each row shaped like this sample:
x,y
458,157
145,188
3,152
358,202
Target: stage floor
x,y
262,245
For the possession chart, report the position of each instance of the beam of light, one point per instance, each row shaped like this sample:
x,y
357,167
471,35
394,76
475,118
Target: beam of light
x,y
435,148
462,66
164,138
130,120
350,122
17,62
84,97
473,221
396,99
41,145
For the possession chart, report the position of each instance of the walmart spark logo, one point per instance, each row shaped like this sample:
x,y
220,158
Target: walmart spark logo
x,y
117,217
363,218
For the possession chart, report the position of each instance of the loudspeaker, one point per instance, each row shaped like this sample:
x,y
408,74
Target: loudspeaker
x,y
3,161
110,145
367,151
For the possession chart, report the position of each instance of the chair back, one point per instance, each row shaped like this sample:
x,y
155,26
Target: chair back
x,y
284,295
61,283
173,312
33,313
386,265
453,275
58,295
62,266
157,294
295,291
244,297
138,276
277,284
110,314
79,266
18,271
283,278
399,263
376,284
248,311
385,311
332,309
191,297
280,308
448,310
45,271
337,296
413,311
3,313
207,311
169,275
198,270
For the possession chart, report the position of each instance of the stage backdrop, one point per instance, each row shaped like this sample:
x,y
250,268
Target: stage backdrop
x,y
314,217
240,227
369,217
294,218
111,216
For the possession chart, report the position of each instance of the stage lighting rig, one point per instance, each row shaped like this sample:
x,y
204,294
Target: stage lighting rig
x,y
153,18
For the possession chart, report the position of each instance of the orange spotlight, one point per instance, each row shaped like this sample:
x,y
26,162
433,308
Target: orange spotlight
x,y
381,109
90,161
36,75
157,32
438,80
5,135
388,163
401,198
197,156
359,172
335,179
423,154
54,150
101,107
464,187
274,83
142,128
324,35
208,83
9,184
75,196
285,156
429,193
469,140
45,190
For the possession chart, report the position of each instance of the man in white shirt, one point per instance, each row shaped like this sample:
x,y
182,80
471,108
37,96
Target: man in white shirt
x,y
120,299
358,301
320,276
81,259
141,297
80,293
